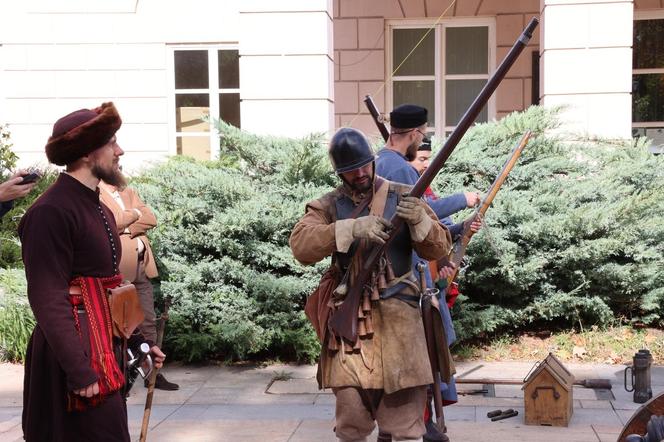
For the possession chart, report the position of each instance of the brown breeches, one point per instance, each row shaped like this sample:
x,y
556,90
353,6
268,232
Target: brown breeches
x,y
143,285
399,413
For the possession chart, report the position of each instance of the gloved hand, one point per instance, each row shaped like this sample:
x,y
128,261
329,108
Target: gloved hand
x,y
412,210
371,227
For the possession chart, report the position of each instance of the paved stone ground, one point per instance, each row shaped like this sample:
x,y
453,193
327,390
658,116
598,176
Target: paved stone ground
x,y
217,403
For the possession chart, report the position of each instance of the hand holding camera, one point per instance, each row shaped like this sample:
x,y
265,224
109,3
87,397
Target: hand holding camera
x,y
19,184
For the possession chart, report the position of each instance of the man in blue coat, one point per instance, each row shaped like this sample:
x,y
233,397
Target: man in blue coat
x,y
408,124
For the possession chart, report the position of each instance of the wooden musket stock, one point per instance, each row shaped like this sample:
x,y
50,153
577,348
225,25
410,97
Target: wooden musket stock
x,y
459,249
343,321
153,376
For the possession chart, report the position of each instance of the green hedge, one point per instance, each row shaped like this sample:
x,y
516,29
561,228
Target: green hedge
x,y
573,237
572,240
222,244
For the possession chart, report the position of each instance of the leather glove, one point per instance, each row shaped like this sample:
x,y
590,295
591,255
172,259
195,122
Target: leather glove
x,y
371,227
412,210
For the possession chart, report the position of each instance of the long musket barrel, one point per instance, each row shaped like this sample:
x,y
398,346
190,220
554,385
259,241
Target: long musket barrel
x,y
343,322
377,117
459,249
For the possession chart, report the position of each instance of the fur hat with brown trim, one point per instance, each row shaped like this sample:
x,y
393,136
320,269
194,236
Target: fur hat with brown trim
x,y
81,132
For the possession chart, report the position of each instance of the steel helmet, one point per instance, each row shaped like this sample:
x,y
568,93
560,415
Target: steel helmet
x,y
349,150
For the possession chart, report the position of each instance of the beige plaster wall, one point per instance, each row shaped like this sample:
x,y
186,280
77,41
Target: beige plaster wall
x,y
360,59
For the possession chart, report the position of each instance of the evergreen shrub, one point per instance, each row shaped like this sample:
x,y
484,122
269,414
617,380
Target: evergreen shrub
x,y
16,319
573,239
223,246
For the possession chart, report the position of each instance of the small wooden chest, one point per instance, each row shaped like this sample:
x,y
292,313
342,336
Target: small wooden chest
x,y
548,394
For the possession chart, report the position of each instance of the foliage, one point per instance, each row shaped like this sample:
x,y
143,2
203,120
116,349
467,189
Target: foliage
x,y
16,319
7,157
223,245
570,239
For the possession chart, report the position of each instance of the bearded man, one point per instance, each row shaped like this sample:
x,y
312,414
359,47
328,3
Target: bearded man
x,y
71,252
382,376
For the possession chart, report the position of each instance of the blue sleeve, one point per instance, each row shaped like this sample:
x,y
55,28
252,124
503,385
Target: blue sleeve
x,y
455,230
395,169
5,207
405,175
444,207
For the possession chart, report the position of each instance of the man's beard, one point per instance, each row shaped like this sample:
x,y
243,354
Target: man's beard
x,y
362,188
110,176
357,187
411,152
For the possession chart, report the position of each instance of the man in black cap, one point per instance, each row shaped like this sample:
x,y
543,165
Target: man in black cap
x,y
71,252
382,377
408,125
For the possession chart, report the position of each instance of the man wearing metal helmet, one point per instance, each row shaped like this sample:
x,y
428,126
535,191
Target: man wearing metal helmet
x,y
382,377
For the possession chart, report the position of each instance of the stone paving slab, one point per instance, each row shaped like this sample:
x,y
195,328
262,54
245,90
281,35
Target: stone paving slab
x,y
220,403
295,386
505,431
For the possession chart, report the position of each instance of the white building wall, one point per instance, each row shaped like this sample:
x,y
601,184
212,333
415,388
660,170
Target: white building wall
x,y
60,56
286,69
586,64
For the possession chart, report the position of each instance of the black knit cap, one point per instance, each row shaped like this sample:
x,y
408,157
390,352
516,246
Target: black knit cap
x,y
408,116
426,145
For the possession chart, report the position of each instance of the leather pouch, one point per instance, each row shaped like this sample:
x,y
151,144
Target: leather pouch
x,y
317,307
126,311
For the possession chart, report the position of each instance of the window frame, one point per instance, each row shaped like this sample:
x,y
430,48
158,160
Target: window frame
x,y
646,15
440,130
213,91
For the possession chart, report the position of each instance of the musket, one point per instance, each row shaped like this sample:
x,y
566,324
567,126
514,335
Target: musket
x,y
432,347
377,117
343,321
153,377
459,249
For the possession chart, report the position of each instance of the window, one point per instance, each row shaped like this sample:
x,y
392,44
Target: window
x,y
648,76
207,87
445,71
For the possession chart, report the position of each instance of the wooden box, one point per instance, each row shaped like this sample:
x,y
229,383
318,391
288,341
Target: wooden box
x,y
548,394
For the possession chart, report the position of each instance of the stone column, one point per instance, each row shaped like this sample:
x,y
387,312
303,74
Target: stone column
x,y
586,64
286,66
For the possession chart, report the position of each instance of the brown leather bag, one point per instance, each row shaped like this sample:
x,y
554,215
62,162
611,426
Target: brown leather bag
x,y
317,307
126,311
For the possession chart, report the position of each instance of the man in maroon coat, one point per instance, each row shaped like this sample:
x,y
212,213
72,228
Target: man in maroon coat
x,y
72,387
